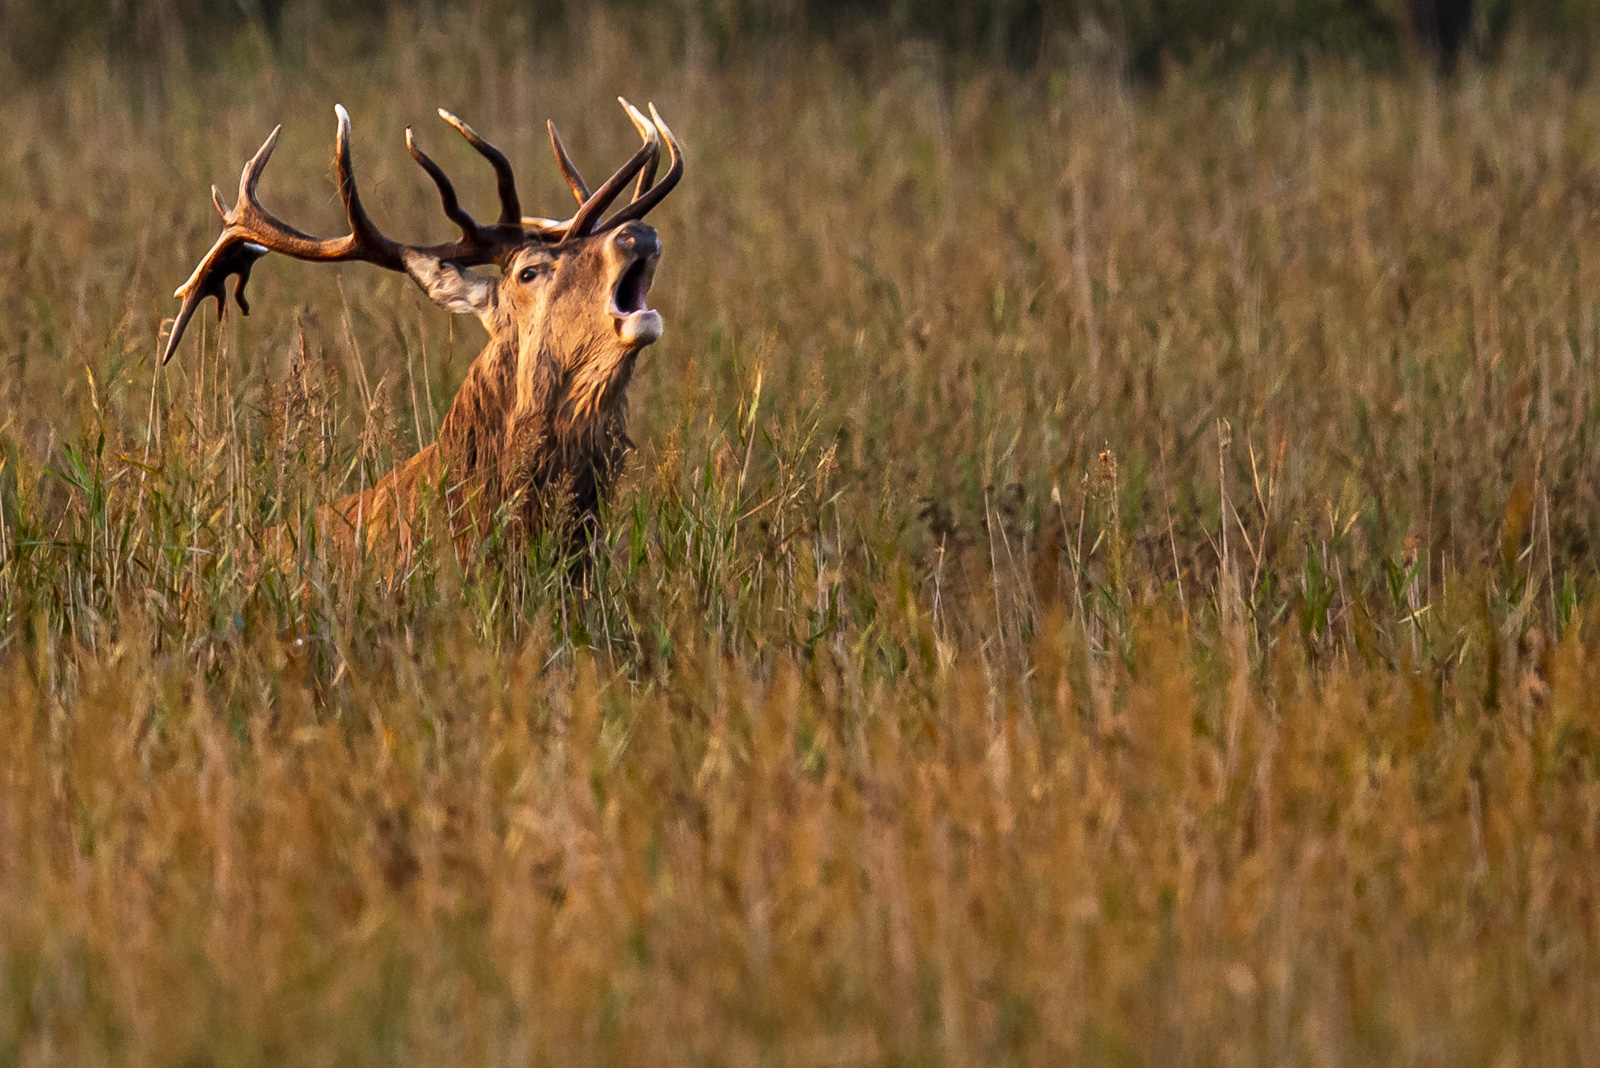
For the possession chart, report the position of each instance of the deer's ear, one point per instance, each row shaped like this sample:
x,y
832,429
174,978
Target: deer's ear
x,y
453,288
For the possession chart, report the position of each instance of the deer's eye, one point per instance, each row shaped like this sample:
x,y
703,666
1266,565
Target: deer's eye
x,y
529,273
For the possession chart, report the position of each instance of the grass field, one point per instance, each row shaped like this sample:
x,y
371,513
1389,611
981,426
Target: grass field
x,y
1107,577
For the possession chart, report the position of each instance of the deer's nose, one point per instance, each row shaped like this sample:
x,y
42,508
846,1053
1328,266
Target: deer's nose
x,y
637,240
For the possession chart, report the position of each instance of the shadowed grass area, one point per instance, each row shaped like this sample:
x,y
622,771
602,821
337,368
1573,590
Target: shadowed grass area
x,y
1106,578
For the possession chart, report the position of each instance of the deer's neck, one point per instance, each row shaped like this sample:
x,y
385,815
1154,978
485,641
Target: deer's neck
x,y
519,425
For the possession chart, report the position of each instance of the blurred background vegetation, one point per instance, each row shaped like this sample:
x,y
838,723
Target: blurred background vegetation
x,y
1107,576
1142,35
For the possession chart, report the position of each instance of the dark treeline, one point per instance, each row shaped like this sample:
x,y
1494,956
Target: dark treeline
x,y
1144,36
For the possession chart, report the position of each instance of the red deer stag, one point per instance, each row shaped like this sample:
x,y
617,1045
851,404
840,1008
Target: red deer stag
x,y
540,416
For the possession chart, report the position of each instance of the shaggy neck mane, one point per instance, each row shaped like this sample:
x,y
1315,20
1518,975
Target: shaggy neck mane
x,y
522,428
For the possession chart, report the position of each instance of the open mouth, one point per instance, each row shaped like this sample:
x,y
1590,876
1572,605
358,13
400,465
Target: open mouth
x,y
637,325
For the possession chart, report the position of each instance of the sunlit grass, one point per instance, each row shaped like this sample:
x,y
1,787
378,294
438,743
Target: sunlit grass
x,y
1105,578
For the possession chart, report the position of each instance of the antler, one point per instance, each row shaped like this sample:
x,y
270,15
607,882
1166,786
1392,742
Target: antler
x,y
590,205
250,231
569,170
593,205
589,212
644,197
478,244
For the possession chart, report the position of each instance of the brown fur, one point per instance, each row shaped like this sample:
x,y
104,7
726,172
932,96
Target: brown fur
x,y
538,427
539,422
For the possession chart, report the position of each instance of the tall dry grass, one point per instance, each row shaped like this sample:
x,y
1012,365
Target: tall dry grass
x,y
1105,579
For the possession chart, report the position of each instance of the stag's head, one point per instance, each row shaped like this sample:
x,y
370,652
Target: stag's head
x,y
570,297
578,309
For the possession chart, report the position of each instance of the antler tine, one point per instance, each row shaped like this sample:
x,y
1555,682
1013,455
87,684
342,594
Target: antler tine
x,y
648,132
583,222
447,191
251,174
649,199
580,188
365,240
510,206
569,170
